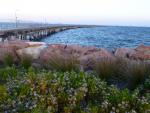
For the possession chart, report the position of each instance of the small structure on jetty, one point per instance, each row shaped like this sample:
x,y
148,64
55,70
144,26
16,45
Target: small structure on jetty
x,y
33,33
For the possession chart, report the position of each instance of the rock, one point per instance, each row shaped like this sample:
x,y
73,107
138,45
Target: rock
x,y
85,55
87,60
33,44
33,52
143,48
142,53
14,44
124,52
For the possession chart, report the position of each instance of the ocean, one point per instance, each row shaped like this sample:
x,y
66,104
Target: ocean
x,y
110,37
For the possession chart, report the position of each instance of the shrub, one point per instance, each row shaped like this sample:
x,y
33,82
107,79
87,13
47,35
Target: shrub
x,y
69,92
8,72
122,101
3,93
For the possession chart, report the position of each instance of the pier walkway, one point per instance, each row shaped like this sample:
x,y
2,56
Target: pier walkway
x,y
33,33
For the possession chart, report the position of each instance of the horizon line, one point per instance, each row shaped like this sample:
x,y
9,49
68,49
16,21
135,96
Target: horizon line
x,y
98,25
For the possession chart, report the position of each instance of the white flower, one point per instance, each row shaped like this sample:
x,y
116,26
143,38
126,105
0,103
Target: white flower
x,y
113,108
133,111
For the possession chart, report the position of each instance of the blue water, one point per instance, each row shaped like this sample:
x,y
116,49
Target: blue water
x,y
106,37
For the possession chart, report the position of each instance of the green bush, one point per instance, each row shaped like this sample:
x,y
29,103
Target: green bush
x,y
8,72
69,92
3,93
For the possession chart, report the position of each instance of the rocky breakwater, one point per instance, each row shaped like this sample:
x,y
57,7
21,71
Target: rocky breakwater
x,y
141,52
85,56
40,53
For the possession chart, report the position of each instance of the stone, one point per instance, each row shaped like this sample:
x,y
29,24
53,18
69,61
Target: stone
x,y
87,60
33,44
85,55
124,52
143,48
32,52
142,53
14,44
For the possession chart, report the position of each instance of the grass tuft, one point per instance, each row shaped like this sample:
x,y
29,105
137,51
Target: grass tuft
x,y
63,63
8,60
137,72
26,61
106,68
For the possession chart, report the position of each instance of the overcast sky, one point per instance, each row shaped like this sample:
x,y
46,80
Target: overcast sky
x,y
102,12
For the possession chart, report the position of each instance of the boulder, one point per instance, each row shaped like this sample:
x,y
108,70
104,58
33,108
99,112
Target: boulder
x,y
87,60
33,44
72,49
33,52
14,44
86,55
124,52
142,53
143,48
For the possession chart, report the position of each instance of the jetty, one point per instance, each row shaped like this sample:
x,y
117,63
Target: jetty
x,y
34,34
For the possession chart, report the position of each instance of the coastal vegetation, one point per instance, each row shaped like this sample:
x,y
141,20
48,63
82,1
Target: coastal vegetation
x,y
61,85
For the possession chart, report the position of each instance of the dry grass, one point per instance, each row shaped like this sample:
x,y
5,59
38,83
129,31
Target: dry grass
x,y
8,60
26,61
63,63
130,71
136,71
106,68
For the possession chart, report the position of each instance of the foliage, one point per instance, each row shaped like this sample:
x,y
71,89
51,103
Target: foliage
x,y
3,93
65,89
68,92
8,72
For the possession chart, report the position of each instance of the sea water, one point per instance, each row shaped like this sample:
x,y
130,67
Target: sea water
x,y
109,37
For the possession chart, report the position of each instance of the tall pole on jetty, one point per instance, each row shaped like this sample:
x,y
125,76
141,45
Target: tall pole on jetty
x,y
16,19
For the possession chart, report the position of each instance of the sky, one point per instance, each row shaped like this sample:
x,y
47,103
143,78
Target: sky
x,y
97,12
